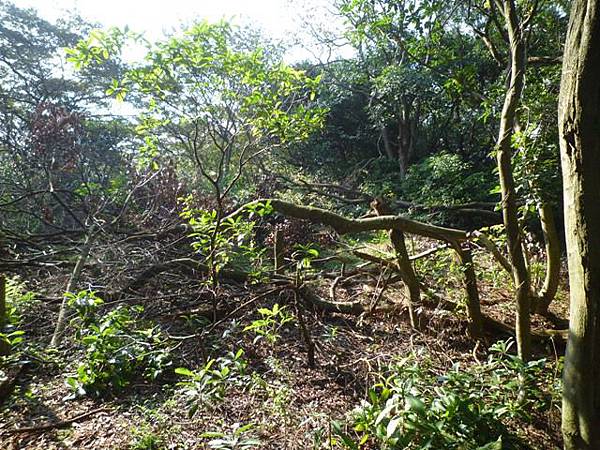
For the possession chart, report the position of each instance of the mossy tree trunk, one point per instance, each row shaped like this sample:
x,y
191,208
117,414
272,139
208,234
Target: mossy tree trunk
x,y
465,257
413,290
507,184
552,247
579,131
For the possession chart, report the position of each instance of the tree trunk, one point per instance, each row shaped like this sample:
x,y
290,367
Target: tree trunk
x,y
387,145
507,184
4,346
552,244
81,260
404,264
579,130
473,304
406,137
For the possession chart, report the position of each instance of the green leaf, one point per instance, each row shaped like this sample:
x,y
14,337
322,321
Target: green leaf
x,y
185,372
496,445
392,426
415,404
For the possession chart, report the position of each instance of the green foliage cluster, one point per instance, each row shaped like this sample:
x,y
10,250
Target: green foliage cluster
x,y
229,241
271,321
239,438
18,299
219,93
413,407
446,179
208,385
118,347
440,179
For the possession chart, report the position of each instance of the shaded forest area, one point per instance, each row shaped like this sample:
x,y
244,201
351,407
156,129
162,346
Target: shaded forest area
x,y
207,247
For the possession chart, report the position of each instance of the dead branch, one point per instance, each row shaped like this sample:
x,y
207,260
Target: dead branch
x,y
188,266
61,424
309,295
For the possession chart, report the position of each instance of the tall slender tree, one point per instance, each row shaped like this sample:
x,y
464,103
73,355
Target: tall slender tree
x,y
579,128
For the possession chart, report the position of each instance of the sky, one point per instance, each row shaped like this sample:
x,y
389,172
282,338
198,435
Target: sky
x,y
279,19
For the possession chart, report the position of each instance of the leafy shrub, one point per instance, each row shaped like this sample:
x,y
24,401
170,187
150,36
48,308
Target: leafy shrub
x,y
118,348
18,299
146,439
270,323
445,179
225,242
414,408
381,178
237,439
209,384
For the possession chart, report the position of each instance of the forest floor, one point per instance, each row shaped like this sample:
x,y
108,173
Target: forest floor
x,y
285,403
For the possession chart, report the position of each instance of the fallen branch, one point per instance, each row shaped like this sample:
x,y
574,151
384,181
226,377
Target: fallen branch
x,y
355,197
353,308
61,424
493,249
344,225
426,253
188,266
373,258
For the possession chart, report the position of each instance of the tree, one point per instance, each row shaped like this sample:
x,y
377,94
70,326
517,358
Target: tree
x,y
516,25
421,70
65,162
579,128
60,153
214,95
516,79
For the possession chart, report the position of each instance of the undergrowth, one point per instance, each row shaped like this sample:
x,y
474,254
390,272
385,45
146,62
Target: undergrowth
x,y
118,347
414,406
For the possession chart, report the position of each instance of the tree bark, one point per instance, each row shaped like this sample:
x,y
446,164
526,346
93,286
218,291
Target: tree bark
x,y
413,290
4,346
552,247
505,172
579,131
465,258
